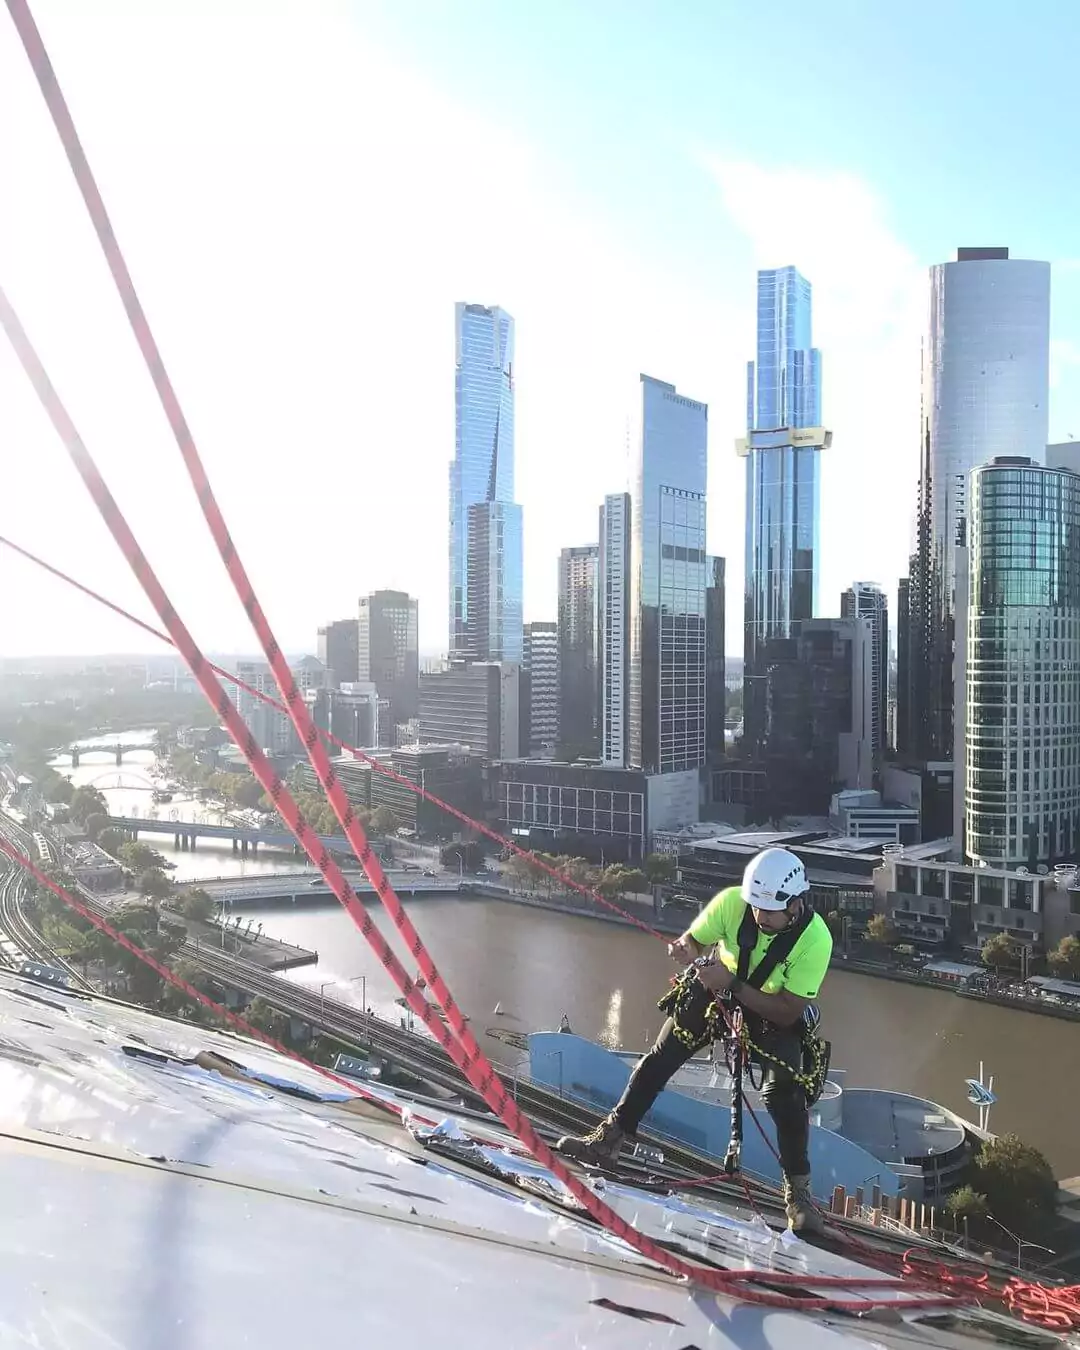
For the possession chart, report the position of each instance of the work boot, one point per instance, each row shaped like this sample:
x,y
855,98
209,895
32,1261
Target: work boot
x,y
802,1214
600,1147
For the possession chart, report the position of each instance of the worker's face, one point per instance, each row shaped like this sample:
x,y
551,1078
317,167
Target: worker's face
x,y
776,920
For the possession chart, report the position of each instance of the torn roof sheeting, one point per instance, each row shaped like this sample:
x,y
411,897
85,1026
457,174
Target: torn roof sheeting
x,y
153,1201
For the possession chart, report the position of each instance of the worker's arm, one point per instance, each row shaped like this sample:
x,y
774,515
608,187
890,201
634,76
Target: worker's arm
x,y
782,1009
803,976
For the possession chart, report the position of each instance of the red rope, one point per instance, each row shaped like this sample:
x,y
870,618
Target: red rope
x,y
465,1051
376,765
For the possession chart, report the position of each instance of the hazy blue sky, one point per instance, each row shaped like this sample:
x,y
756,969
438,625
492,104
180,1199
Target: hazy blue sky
x,y
305,189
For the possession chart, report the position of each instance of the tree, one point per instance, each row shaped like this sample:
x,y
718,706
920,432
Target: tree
x,y
154,883
140,857
1017,1181
967,1204
87,801
60,790
197,904
468,855
1064,960
384,821
881,929
999,952
95,824
112,841
659,868
248,792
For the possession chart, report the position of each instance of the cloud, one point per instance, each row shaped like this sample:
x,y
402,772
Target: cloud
x,y
869,294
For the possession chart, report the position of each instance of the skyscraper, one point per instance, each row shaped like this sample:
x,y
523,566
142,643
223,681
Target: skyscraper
x,y
864,600
668,578
579,639
1022,744
338,650
782,448
985,394
539,690
482,473
613,586
389,654
715,663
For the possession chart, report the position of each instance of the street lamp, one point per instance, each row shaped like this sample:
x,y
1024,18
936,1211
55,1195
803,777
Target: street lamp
x,y
1020,1243
322,996
363,991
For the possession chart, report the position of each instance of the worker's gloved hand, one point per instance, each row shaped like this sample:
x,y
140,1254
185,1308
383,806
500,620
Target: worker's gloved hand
x,y
684,950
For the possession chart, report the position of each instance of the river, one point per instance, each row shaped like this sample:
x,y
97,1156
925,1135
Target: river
x,y
606,979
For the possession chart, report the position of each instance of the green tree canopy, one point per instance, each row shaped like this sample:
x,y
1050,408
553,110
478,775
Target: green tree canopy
x,y
659,868
967,1203
881,929
999,952
1018,1183
197,904
140,857
95,824
1064,960
384,821
87,801
154,883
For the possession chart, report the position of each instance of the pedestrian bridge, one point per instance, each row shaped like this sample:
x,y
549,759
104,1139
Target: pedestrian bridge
x,y
185,833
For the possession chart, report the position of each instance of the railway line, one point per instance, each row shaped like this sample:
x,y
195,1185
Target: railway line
x,y
20,941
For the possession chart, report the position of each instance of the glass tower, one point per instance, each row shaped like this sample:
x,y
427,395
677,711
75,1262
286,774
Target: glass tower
x,y
1022,743
669,578
482,474
985,394
784,440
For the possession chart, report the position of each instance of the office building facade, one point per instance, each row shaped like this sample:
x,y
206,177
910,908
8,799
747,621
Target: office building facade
x,y
473,704
539,691
1022,763
613,589
985,395
667,703
579,654
782,450
339,650
389,654
864,600
816,740
273,730
482,475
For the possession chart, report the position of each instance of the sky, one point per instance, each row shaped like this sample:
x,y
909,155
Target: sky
x,y
303,190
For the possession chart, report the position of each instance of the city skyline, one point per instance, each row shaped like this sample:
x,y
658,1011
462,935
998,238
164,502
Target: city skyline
x,y
349,415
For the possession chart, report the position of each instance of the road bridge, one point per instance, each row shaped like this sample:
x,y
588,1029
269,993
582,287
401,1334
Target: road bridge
x,y
117,752
245,838
301,887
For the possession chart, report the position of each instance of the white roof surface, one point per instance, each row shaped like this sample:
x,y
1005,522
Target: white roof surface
x,y
152,1204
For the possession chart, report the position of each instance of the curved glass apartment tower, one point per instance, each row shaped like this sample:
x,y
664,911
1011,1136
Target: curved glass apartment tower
x,y
1022,771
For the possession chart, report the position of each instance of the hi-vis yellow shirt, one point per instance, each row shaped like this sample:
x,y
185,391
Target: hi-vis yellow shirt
x,y
803,971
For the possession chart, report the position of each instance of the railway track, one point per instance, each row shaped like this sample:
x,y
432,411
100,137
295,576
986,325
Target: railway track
x,y
20,941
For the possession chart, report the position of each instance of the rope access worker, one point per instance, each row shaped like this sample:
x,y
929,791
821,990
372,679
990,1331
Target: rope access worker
x,y
771,953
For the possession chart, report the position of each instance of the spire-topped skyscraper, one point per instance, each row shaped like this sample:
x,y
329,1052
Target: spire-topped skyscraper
x,y
783,444
485,522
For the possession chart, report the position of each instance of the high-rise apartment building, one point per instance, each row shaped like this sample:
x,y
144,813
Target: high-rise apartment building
x,y
473,704
1022,760
985,394
389,654
539,691
715,663
864,600
613,587
782,450
667,714
579,655
339,650
485,524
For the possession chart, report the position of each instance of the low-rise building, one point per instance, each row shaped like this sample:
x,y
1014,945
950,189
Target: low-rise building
x,y
861,814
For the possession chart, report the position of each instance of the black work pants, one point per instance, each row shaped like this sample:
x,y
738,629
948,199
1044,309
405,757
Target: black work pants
x,y
784,1098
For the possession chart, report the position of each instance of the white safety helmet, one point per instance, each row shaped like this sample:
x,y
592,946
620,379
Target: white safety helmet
x,y
773,879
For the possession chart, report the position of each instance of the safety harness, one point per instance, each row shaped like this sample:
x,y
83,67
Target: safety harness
x,y
684,999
